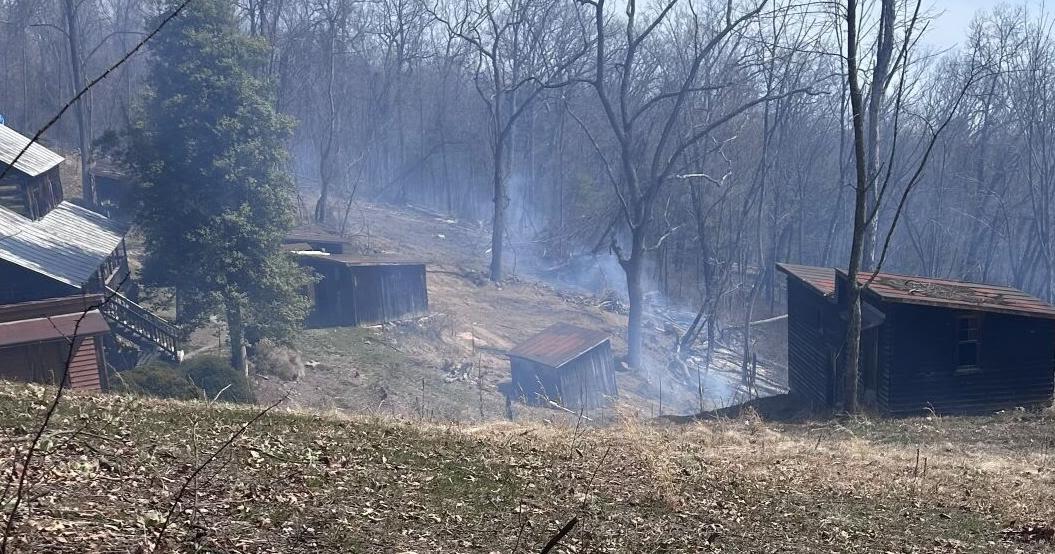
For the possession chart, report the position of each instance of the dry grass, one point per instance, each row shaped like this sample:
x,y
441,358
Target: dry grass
x,y
303,482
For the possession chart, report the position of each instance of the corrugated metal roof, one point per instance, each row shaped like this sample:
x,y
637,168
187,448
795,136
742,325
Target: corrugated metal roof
x,y
11,222
68,244
946,293
52,328
558,344
354,261
821,279
34,161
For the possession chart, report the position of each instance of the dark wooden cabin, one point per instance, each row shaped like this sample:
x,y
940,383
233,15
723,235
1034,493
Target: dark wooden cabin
x,y
74,251
566,364
353,290
926,344
35,342
32,186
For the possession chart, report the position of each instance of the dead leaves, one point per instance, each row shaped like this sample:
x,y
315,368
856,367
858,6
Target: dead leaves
x,y
298,483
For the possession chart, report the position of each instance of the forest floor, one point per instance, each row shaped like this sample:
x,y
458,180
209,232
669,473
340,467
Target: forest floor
x,y
451,365
110,468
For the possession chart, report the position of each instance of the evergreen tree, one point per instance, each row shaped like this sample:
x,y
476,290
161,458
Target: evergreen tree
x,y
215,201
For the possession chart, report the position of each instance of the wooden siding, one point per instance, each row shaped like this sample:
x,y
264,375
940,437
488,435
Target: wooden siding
x,y
86,366
1016,362
32,197
586,382
811,332
44,362
363,295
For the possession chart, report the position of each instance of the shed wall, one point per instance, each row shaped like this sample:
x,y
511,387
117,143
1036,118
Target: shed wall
x,y
589,380
812,326
361,295
1016,362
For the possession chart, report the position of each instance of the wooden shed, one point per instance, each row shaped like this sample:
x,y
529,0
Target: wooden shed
x,y
569,365
927,344
35,341
352,290
32,186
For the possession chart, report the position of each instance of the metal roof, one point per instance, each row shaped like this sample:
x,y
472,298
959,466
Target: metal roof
x,y
945,293
51,328
11,222
34,161
351,260
558,344
68,244
820,279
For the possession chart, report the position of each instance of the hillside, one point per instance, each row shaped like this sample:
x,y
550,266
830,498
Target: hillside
x,y
451,365
299,482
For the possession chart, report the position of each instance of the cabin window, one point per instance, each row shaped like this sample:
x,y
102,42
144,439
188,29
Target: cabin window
x,y
967,342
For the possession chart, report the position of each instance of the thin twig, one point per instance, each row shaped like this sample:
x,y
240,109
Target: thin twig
x,y
560,535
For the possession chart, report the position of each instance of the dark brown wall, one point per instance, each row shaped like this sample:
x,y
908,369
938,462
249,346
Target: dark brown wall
x,y
813,334
1016,361
45,362
32,197
362,295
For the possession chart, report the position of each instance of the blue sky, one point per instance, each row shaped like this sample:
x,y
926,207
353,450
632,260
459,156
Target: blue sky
x,y
950,28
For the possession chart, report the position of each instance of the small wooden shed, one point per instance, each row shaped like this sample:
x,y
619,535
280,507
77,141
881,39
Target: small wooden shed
x,y
32,186
566,364
353,290
926,344
35,340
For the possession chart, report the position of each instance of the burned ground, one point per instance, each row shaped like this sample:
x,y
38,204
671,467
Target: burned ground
x,y
418,366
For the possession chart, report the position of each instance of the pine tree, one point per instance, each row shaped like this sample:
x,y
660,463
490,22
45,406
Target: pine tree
x,y
215,201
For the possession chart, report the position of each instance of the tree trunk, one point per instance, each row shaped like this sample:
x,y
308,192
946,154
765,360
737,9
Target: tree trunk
x,y
236,332
81,107
326,157
498,222
633,267
877,89
853,332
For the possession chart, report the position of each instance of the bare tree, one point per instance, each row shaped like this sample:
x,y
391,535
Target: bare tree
x,y
520,49
645,108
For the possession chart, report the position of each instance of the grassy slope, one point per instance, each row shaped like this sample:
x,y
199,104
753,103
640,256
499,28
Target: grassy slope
x,y
304,483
